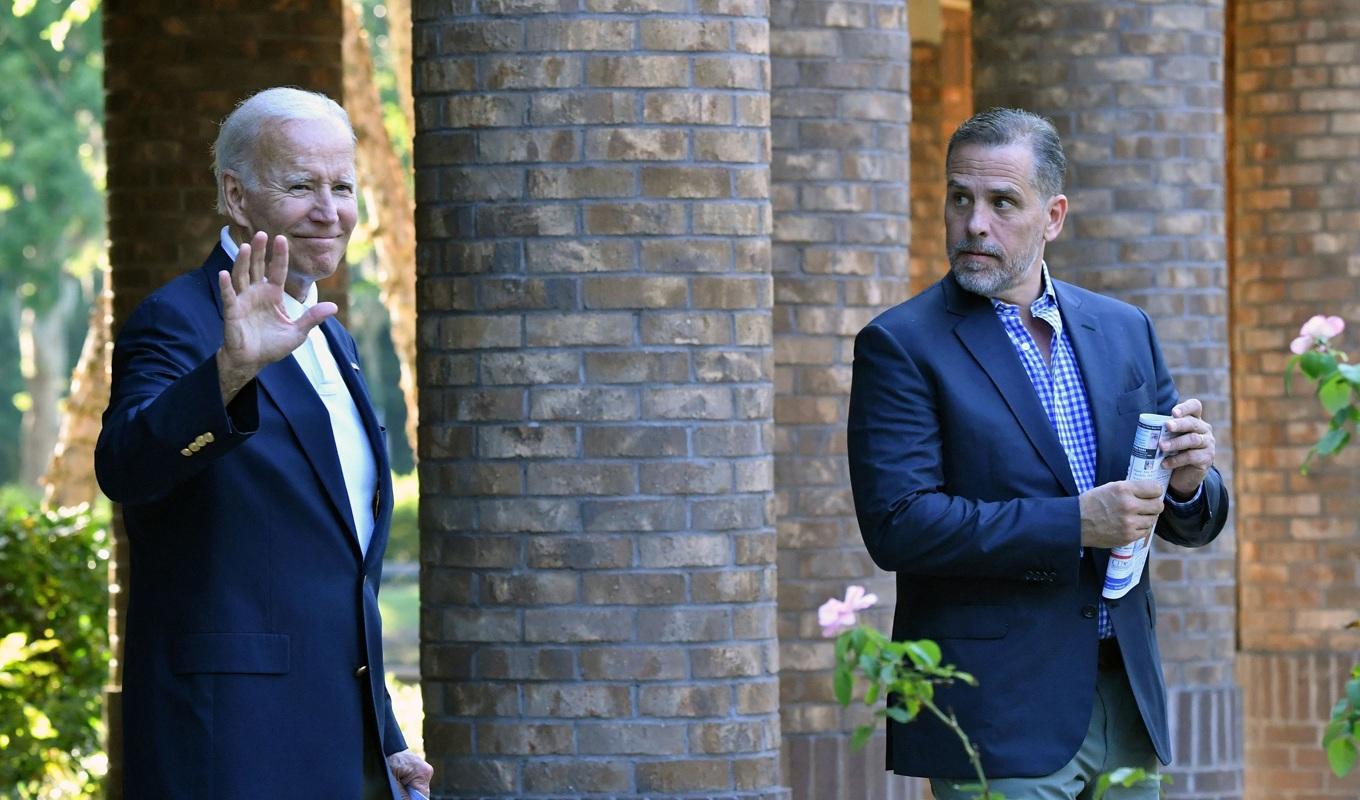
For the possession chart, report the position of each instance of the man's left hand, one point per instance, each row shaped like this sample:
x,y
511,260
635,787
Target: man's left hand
x,y
1190,448
410,769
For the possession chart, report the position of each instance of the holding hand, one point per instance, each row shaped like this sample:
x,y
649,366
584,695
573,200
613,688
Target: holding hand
x,y
1190,448
1119,513
411,770
255,330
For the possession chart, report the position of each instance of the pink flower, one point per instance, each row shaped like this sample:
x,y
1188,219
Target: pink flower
x,y
836,615
1315,333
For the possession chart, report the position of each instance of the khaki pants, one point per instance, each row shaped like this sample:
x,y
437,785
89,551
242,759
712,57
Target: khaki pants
x,y
1116,738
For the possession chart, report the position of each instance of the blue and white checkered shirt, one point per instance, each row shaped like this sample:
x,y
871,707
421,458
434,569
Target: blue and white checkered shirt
x,y
1061,391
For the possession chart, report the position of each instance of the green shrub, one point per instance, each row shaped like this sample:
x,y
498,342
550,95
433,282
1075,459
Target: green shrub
x,y
54,654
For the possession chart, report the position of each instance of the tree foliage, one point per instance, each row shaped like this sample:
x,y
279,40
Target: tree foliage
x,y
53,647
51,175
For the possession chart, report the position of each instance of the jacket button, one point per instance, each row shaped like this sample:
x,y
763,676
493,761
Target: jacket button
x,y
1088,611
361,671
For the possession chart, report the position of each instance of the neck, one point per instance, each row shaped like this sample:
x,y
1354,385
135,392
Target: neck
x,y
1026,290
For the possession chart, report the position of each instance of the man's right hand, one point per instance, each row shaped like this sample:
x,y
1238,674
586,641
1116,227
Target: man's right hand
x,y
1119,512
256,331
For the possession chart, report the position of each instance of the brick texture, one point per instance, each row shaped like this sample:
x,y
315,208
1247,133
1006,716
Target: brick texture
x,y
841,111
1135,89
1296,103
597,394
169,79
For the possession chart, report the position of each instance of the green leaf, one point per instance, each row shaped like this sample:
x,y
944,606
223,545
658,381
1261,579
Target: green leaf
x,y
1332,443
860,736
1335,394
842,645
871,696
899,714
1341,754
1317,365
1102,786
1350,372
923,653
843,682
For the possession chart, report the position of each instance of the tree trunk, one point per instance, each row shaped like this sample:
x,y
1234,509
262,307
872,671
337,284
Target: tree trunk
x,y
388,200
70,476
399,38
42,346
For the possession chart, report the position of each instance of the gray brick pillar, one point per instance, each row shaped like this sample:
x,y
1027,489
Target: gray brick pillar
x,y
841,110
1136,91
596,374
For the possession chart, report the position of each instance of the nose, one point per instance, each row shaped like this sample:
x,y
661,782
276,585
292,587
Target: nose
x,y
324,209
978,222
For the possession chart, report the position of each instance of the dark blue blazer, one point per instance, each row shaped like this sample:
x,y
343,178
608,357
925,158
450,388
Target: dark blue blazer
x,y
253,659
962,488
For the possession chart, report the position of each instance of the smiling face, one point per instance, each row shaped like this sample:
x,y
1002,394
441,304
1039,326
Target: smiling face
x,y
997,222
303,188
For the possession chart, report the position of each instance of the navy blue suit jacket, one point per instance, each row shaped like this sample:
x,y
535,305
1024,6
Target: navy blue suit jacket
x,y
962,488
253,658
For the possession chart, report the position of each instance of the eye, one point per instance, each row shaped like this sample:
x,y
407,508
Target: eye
x,y
1003,202
299,187
958,199
344,188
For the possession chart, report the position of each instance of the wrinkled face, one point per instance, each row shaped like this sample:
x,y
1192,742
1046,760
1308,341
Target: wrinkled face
x,y
303,189
996,221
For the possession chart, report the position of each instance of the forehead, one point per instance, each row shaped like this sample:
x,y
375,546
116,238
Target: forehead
x,y
988,165
321,145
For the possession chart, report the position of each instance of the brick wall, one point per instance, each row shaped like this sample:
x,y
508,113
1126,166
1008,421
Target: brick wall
x,y
1135,90
596,372
841,109
1296,113
170,77
929,259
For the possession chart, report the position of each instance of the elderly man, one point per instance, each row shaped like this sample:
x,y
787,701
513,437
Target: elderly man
x,y
990,427
242,444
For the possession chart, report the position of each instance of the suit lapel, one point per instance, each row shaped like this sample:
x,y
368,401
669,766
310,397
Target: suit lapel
x,y
348,365
983,335
1098,372
297,401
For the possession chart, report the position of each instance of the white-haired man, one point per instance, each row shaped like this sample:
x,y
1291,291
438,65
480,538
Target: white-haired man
x,y
242,443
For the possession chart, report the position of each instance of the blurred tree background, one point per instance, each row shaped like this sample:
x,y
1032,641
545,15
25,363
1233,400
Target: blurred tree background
x,y
51,217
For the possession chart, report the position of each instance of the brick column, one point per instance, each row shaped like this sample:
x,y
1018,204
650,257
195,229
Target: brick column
x,y
842,220
596,375
1295,236
929,259
1135,90
170,77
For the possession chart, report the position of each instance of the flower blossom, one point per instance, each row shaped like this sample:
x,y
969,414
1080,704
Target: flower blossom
x,y
836,615
1315,333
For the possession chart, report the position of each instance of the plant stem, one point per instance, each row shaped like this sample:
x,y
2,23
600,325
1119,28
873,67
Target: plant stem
x,y
974,757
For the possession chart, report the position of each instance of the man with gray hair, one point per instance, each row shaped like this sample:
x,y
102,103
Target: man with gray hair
x,y
990,427
252,472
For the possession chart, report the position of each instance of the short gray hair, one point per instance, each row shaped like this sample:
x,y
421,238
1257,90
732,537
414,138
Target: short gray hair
x,y
998,127
237,139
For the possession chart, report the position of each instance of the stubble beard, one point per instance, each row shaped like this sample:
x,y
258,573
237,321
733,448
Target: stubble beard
x,y
991,279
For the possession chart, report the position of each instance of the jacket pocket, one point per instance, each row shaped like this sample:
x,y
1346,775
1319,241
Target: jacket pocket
x,y
1135,401
960,622
255,653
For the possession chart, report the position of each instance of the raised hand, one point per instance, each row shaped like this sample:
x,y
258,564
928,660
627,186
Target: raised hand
x,y
256,331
